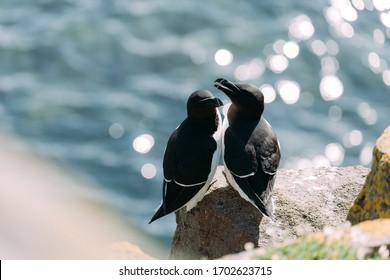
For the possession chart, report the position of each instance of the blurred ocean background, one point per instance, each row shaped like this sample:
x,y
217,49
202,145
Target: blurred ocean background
x,y
98,86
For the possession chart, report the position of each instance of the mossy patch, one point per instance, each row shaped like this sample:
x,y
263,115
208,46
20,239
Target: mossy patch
x,y
373,201
311,249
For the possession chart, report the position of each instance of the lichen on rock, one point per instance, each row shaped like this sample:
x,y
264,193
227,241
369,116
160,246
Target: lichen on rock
x,y
366,240
373,201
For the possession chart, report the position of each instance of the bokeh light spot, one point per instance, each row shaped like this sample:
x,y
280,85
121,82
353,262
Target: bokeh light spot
x,y
358,4
332,47
148,171
385,19
335,153
379,37
329,65
386,77
368,5
278,63
301,28
268,92
348,12
333,15
318,47
291,49
381,5
374,61
347,30
289,91
353,138
223,57
363,109
335,113
278,46
365,156
250,71
368,114
331,88
116,130
321,161
143,143
372,117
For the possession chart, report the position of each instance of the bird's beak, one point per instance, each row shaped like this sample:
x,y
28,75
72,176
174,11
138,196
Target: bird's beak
x,y
229,88
218,102
215,102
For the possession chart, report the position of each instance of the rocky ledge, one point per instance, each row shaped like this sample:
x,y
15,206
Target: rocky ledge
x,y
311,204
306,201
366,240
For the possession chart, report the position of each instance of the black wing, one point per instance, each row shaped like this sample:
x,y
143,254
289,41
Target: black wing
x,y
186,165
252,155
175,197
188,156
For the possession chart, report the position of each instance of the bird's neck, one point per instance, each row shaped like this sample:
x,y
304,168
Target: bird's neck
x,y
209,125
237,116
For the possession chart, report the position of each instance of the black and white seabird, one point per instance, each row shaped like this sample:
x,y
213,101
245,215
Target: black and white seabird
x,y
250,148
192,154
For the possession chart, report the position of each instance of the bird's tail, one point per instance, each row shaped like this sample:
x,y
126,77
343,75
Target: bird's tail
x,y
159,213
265,208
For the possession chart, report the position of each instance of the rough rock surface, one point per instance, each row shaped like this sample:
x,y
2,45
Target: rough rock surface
x,y
374,199
305,200
365,239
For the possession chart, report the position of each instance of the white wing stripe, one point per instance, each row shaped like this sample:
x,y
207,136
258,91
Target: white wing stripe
x,y
242,176
190,185
184,185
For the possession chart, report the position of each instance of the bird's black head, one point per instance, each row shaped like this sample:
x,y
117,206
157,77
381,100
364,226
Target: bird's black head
x,y
247,100
201,105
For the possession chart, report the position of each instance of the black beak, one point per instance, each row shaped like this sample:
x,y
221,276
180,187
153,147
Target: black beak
x,y
229,88
215,102
218,102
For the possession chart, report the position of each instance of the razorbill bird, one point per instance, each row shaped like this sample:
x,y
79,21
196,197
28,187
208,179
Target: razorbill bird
x,y
192,154
250,148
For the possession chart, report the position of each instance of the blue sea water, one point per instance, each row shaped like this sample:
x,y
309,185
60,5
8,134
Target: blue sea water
x,y
100,85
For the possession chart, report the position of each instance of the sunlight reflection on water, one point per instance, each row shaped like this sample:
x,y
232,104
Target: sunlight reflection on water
x,y
223,57
143,143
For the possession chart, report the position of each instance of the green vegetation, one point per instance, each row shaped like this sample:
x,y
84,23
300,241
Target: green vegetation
x,y
311,249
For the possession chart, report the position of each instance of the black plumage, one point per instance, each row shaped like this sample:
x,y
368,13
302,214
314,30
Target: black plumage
x,y
192,154
250,148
